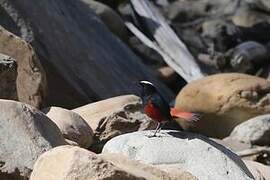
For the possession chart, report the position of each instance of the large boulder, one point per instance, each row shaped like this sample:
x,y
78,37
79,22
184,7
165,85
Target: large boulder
x,y
83,60
255,131
193,153
8,76
114,116
31,79
70,163
25,133
72,125
225,100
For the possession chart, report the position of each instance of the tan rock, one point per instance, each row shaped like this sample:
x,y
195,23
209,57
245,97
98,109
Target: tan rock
x,y
31,80
71,163
148,172
225,100
72,125
114,116
247,18
258,170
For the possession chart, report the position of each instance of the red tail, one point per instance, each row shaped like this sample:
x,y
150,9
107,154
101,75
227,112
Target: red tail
x,y
188,116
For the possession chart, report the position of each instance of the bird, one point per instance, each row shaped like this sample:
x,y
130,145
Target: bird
x,y
157,108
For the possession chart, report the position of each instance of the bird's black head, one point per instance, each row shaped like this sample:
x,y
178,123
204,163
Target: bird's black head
x,y
147,88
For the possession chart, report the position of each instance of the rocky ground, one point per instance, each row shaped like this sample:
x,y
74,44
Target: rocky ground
x,y
70,107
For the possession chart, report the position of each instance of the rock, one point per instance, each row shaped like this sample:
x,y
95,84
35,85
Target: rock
x,y
248,56
69,163
8,76
31,79
112,20
114,116
232,144
255,131
167,74
72,125
83,60
225,100
258,170
25,133
193,153
247,18
147,171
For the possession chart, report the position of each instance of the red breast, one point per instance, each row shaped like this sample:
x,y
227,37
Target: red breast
x,y
152,112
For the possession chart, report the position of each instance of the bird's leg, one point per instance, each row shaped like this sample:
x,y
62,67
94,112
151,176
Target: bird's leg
x,y
161,127
158,126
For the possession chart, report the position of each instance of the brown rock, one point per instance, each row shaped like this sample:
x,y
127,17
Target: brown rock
x,y
31,79
8,76
72,125
225,100
70,163
113,117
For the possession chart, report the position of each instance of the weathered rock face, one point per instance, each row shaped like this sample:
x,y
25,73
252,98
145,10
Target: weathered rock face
x,y
255,131
31,79
8,76
25,133
198,155
113,117
72,125
84,62
225,100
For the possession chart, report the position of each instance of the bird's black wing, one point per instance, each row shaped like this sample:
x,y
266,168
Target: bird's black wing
x,y
164,108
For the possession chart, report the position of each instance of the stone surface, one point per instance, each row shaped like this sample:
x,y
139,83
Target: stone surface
x,y
193,153
72,125
83,60
112,20
255,131
247,18
114,116
8,76
147,171
258,170
25,133
232,144
31,79
225,100
70,163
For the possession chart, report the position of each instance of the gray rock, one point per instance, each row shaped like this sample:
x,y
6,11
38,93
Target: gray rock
x,y
254,131
196,154
8,76
83,60
25,133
